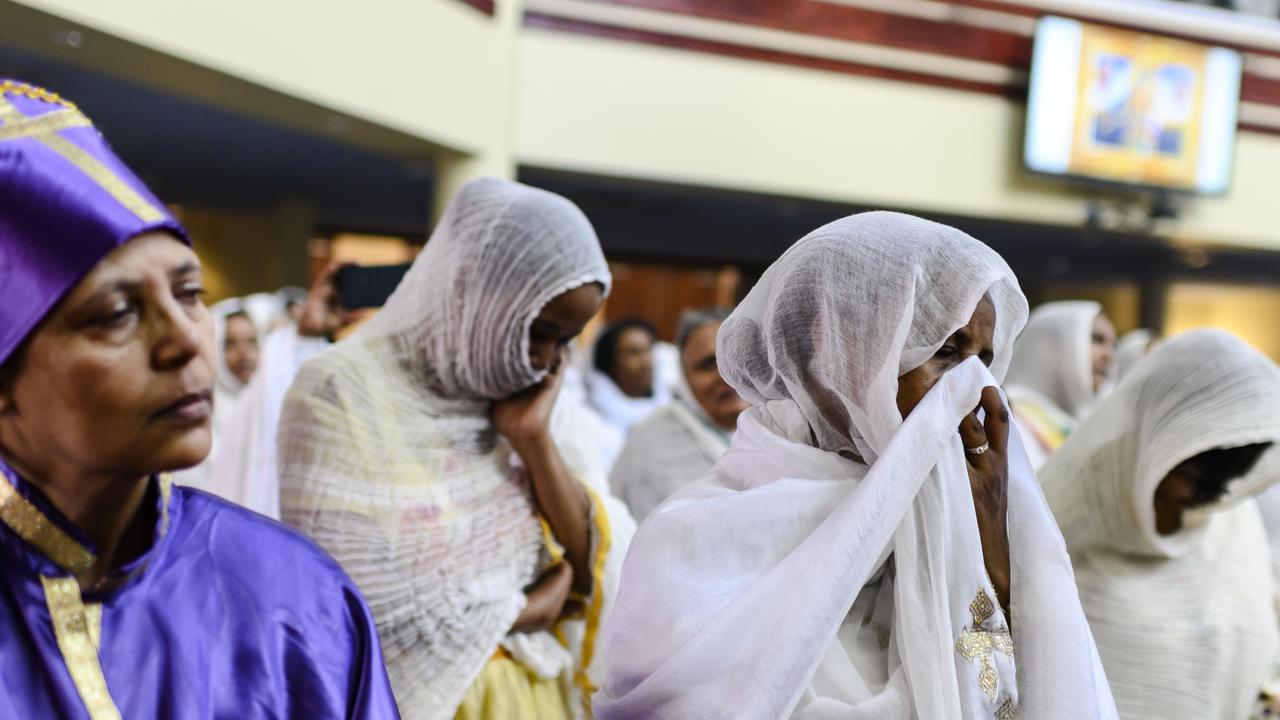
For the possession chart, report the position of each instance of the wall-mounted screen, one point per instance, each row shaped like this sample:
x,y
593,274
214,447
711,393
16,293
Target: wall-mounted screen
x,y
1127,107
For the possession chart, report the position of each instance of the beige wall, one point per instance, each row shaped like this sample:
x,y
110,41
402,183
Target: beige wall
x,y
617,108
1247,311
437,69
492,94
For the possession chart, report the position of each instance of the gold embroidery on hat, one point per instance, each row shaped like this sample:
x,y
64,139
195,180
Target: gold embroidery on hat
x,y
16,125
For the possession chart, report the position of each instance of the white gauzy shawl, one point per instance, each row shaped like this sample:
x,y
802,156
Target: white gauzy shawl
x,y
390,461
1185,623
758,592
617,408
671,448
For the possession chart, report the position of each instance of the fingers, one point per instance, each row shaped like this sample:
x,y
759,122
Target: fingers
x,y
997,420
555,376
972,434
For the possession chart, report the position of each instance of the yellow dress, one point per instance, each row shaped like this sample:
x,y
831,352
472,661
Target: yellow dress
x,y
506,689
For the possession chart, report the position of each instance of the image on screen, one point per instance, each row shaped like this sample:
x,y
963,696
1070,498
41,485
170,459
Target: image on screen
x,y
1126,107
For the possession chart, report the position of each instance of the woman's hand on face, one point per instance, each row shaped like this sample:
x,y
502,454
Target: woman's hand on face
x,y
524,419
546,600
989,483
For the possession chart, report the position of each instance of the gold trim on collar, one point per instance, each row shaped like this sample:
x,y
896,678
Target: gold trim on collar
x,y
31,525
78,629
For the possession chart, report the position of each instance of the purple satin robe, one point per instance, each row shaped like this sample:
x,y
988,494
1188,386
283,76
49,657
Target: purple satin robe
x,y
228,615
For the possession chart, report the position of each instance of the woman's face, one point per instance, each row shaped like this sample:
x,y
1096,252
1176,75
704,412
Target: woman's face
x,y
1178,492
559,322
1102,350
633,363
974,339
240,347
118,378
719,401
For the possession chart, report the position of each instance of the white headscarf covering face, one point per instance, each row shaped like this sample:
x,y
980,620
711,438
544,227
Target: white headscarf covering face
x,y
1053,356
752,573
388,456
501,253
1186,622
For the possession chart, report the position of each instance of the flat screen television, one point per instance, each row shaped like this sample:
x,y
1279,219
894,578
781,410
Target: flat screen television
x,y
1128,108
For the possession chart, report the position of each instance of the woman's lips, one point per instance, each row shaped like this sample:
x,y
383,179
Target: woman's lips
x,y
191,408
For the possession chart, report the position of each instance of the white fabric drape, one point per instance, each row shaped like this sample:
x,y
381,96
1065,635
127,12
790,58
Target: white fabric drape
x,y
736,598
227,389
619,409
389,459
1131,349
1050,381
1185,623
244,462
671,448
1053,357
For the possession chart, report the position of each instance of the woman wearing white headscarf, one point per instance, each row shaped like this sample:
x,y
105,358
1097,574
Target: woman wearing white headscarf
x,y
1062,363
243,466
624,385
842,560
1174,572
236,355
680,441
423,455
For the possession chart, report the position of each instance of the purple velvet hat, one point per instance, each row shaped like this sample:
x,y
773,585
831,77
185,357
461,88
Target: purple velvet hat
x,y
66,201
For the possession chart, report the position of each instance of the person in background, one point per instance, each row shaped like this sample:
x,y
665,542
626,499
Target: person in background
x,y
293,299
622,385
240,349
1153,495
236,354
243,465
1132,348
1063,362
426,451
859,550
680,442
121,594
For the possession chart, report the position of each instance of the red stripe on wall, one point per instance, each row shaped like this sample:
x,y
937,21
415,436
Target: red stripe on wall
x,y
825,19
540,20
1258,89
484,6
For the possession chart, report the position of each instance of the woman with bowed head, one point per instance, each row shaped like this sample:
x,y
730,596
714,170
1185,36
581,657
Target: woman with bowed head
x,y
428,454
874,544
1154,496
121,594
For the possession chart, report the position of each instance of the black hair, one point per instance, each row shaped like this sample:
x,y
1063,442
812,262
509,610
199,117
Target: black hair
x,y
606,354
12,366
693,319
1219,466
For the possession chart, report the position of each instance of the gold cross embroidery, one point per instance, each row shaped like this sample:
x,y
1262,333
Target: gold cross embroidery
x,y
45,128
981,645
1007,711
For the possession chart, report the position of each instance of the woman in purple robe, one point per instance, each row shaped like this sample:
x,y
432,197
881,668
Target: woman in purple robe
x,y
121,594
